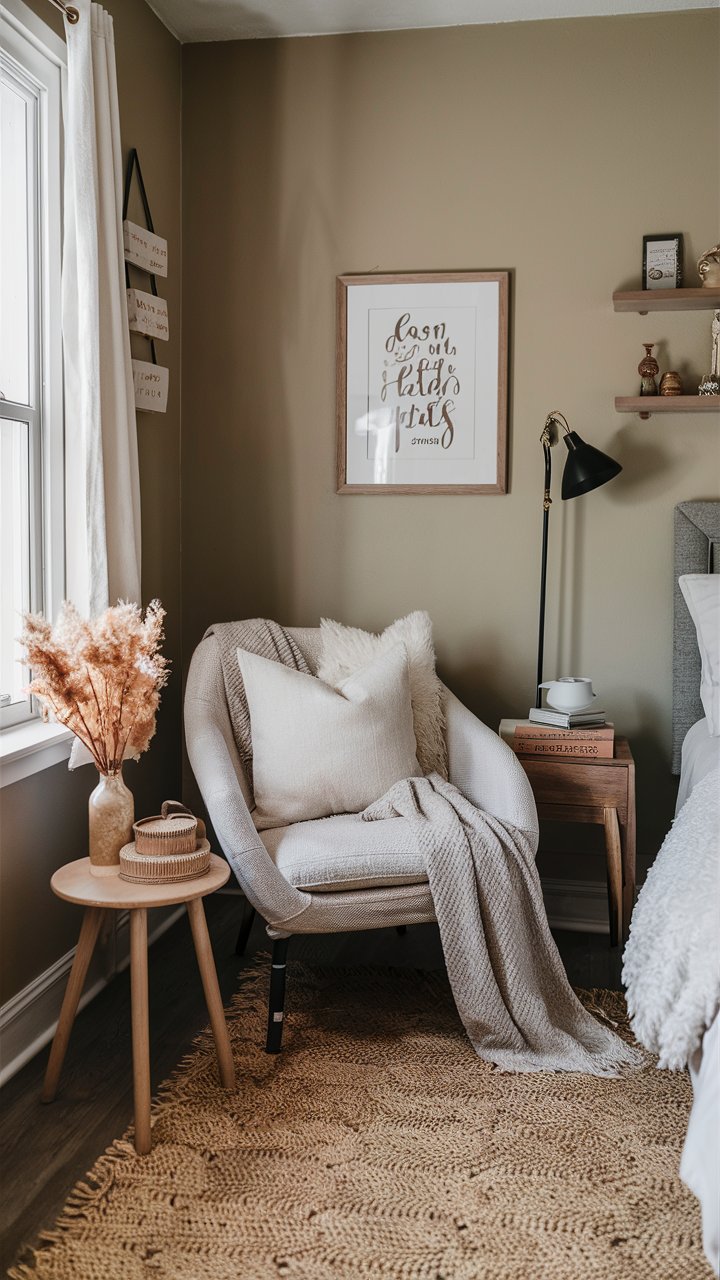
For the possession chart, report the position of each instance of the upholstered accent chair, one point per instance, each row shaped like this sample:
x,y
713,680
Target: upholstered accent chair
x,y
340,873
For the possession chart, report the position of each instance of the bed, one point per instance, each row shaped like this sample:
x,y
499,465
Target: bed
x,y
671,965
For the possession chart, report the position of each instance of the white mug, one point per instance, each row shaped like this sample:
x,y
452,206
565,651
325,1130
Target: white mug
x,y
569,693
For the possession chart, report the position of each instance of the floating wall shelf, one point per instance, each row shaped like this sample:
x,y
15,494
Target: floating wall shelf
x,y
645,405
644,300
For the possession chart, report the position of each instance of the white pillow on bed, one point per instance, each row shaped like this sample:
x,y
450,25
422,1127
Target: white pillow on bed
x,y
702,597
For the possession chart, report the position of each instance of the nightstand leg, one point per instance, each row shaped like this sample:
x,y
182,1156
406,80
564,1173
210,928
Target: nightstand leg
x,y
613,853
213,999
628,842
89,931
140,1028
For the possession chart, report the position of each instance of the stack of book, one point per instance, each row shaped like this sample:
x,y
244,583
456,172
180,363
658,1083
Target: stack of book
x,y
588,719
560,741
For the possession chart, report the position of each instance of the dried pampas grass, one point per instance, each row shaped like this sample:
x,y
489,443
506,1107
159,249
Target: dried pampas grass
x,y
102,678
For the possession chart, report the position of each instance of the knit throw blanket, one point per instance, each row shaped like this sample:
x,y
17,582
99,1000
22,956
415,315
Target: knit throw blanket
x,y
269,640
508,980
507,977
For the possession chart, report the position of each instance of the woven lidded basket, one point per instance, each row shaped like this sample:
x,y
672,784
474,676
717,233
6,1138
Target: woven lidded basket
x,y
173,831
163,868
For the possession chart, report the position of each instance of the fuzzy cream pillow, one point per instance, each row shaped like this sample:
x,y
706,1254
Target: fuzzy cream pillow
x,y
319,751
346,650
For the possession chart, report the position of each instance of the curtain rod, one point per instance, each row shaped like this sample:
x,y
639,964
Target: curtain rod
x,y
69,10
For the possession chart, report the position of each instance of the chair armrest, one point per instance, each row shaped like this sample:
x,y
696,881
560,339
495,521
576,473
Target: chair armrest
x,y
487,771
213,758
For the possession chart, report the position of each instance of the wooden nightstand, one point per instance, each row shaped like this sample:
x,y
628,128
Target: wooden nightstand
x,y
602,792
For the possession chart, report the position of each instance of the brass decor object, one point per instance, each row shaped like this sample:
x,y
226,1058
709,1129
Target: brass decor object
x,y
671,384
708,266
168,847
648,369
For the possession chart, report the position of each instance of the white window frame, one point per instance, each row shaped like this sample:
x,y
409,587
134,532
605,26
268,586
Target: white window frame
x,y
27,43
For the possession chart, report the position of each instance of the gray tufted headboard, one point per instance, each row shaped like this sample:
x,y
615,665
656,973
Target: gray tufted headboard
x,y
697,550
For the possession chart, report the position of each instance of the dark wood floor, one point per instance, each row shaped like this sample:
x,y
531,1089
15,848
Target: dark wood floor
x,y
45,1150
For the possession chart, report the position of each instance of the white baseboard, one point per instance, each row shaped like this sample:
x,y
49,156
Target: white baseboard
x,y
578,905
28,1020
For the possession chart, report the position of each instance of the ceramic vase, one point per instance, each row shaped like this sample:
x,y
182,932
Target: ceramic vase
x,y
671,384
111,811
648,369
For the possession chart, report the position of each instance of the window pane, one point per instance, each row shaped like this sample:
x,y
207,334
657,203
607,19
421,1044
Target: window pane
x,y
16,187
15,553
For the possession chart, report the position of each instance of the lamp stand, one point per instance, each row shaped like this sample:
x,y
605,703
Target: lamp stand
x,y
585,469
546,441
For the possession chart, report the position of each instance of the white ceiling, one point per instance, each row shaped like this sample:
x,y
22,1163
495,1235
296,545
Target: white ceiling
x,y
254,19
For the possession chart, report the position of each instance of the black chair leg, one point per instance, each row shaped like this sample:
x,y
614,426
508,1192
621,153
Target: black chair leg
x,y
276,1008
245,927
401,929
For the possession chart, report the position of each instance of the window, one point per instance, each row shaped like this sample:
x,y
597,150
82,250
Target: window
x,y
31,433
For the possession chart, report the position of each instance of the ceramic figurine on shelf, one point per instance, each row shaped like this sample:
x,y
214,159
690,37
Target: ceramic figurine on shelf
x,y
710,385
648,369
671,384
708,266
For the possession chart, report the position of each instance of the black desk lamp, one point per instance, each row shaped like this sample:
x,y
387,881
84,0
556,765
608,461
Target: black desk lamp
x,y
586,468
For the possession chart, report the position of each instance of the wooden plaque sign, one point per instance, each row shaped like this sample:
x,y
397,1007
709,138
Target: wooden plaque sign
x,y
147,314
151,386
144,249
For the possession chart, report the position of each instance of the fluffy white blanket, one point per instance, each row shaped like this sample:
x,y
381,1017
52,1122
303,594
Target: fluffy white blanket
x,y
671,965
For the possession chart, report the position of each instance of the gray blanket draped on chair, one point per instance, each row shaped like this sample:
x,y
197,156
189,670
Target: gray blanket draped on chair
x,y
508,980
507,977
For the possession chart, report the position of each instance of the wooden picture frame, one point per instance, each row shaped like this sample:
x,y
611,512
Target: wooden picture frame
x,y
662,264
421,383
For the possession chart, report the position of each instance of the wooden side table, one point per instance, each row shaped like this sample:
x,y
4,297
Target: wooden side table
x,y
596,791
75,883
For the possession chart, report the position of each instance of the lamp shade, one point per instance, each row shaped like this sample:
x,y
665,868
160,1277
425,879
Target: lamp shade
x,y
586,468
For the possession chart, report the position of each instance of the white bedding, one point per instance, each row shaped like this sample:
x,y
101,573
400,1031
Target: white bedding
x,y
672,970
700,754
700,1165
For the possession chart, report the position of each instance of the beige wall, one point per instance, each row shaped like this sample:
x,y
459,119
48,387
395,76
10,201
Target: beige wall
x,y
44,817
546,148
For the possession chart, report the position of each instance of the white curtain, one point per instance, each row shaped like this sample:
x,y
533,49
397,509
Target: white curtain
x,y
103,483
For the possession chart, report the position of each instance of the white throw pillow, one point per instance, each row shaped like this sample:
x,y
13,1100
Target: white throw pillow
x,y
702,597
345,650
319,751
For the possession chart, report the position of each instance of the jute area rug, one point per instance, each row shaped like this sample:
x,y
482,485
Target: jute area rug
x,y
378,1145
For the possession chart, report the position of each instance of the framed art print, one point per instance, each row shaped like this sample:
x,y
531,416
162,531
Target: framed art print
x,y
422,382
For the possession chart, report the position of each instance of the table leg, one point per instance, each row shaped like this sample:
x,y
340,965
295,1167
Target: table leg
x,y
628,850
208,974
140,1028
613,853
89,930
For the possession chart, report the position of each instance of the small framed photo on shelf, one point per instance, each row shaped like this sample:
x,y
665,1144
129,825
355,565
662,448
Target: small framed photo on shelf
x,y
662,266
